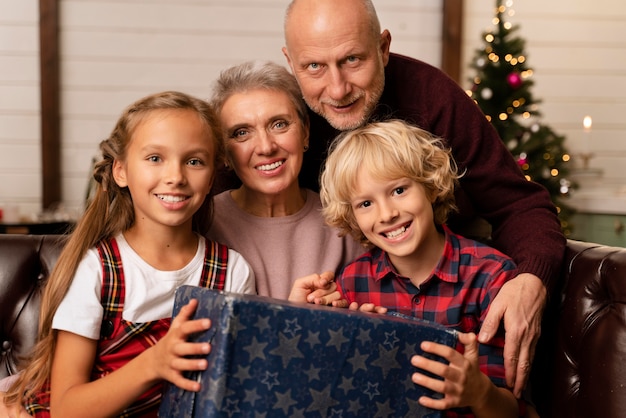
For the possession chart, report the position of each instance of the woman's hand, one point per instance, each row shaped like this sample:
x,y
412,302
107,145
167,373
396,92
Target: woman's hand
x,y
319,289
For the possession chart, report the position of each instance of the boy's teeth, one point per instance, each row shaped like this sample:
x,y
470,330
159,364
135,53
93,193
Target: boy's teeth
x,y
171,199
396,232
267,167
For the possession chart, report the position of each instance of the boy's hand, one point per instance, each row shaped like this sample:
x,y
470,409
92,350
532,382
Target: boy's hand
x,y
320,289
173,354
367,307
463,383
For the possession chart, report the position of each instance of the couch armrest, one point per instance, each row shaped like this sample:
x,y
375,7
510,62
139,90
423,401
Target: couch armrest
x,y
25,264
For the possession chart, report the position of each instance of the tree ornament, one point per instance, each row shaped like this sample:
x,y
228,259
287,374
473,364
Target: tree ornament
x,y
515,80
503,92
512,144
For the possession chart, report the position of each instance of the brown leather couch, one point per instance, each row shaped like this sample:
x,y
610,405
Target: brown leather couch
x,y
580,366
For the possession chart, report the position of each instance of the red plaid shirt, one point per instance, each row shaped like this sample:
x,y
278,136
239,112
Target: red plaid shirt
x,y
457,294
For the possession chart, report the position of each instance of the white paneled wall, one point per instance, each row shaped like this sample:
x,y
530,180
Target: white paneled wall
x,y
578,52
20,163
116,51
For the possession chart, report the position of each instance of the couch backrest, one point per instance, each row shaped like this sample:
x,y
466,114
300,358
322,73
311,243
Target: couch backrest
x,y
580,364
25,263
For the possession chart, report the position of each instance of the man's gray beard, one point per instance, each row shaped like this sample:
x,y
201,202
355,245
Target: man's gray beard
x,y
369,110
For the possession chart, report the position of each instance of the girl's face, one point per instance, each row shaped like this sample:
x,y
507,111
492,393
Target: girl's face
x,y
265,140
169,168
395,215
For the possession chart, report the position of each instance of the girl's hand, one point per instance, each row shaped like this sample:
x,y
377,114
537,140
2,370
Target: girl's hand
x,y
11,411
320,289
463,383
367,307
173,354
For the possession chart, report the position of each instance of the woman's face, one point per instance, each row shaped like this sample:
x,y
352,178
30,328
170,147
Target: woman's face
x,y
265,139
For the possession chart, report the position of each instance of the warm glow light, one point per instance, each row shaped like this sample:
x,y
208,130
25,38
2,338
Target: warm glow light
x,y
489,37
587,123
508,25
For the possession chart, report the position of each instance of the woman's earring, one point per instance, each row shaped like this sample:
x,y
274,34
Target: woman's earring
x,y
306,148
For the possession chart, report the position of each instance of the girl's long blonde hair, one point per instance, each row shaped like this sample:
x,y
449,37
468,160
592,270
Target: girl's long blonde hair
x,y
107,214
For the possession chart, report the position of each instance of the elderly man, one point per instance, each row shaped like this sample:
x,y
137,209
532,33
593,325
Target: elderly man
x,y
347,76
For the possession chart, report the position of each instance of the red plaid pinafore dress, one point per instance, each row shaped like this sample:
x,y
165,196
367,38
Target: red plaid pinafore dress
x,y
120,340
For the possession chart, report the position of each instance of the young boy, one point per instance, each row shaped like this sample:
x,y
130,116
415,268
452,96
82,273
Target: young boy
x,y
391,185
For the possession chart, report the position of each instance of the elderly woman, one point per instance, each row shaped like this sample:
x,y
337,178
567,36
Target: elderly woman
x,y
273,222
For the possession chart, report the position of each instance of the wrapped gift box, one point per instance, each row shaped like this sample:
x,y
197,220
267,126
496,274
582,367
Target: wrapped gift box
x,y
278,359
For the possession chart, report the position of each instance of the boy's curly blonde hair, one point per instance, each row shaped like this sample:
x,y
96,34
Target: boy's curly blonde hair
x,y
387,150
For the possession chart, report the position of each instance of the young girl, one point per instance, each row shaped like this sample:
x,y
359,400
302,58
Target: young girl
x,y
106,343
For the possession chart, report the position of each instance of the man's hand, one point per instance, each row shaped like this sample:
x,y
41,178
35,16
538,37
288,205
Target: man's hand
x,y
521,302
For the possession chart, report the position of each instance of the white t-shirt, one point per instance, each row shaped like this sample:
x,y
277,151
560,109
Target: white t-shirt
x,y
149,292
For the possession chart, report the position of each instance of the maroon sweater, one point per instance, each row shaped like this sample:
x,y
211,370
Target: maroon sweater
x,y
522,217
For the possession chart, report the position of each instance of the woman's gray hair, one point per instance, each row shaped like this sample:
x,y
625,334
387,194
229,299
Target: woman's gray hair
x,y
253,75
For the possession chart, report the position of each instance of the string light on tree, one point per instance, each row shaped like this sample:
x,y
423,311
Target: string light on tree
x,y
502,88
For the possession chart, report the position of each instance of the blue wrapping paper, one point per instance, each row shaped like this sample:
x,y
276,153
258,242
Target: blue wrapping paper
x,y
272,358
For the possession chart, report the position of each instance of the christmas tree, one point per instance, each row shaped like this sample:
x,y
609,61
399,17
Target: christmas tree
x,y
502,89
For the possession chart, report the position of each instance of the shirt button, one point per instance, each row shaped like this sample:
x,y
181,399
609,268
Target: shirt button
x,y
416,300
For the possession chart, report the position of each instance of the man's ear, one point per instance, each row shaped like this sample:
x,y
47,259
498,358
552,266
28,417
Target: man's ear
x,y
286,54
385,44
119,173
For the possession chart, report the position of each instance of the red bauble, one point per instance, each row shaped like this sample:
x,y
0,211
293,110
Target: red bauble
x,y
515,80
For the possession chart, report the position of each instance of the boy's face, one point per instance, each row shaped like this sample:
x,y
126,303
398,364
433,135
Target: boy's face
x,y
397,216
